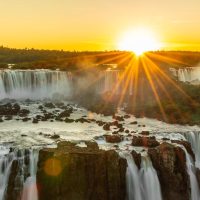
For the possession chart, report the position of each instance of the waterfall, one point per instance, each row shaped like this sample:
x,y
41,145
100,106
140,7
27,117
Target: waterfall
x,y
142,184
30,187
194,139
189,74
195,193
150,182
33,84
25,177
6,160
114,81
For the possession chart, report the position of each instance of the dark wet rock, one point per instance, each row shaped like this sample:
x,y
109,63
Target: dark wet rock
x,y
67,120
118,118
135,122
40,107
23,135
127,116
170,164
133,131
115,123
24,112
47,116
144,133
106,127
100,123
25,119
144,141
113,138
49,105
82,120
9,109
121,130
55,137
86,173
59,104
35,121
1,120
187,146
16,107
65,113
165,139
137,158
8,117
127,131
198,175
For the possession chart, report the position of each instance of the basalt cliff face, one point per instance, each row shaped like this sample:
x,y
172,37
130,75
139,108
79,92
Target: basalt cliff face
x,y
71,172
89,173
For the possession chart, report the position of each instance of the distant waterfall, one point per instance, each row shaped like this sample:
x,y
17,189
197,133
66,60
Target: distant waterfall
x,y
114,81
25,177
33,84
142,184
189,74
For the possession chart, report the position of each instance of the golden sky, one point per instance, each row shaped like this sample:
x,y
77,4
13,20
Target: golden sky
x,y
97,24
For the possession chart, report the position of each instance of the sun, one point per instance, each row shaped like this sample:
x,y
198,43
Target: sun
x,y
139,41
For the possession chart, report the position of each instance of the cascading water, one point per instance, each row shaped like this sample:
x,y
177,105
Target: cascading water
x,y
150,183
194,139
142,184
33,84
113,80
189,74
195,192
25,179
6,160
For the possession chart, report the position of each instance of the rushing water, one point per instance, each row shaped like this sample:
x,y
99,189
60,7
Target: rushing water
x,y
195,193
25,180
143,183
33,84
190,74
194,139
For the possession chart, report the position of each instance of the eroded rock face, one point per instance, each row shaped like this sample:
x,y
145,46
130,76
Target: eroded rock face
x,y
75,173
170,164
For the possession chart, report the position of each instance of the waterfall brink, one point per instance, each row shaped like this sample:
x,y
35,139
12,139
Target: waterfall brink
x,y
24,164
195,193
194,139
142,184
33,84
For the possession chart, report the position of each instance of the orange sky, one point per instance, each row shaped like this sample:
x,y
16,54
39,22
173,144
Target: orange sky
x,y
97,24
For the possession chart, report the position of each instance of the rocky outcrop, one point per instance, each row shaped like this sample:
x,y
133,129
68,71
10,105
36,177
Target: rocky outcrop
x,y
80,173
187,146
113,138
144,141
170,164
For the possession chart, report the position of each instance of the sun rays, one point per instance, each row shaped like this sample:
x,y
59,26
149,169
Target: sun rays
x,y
143,77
